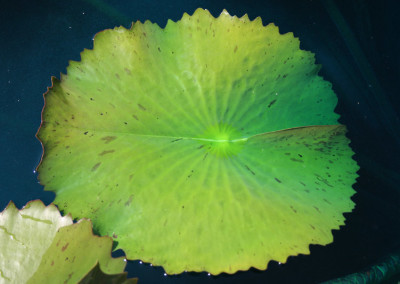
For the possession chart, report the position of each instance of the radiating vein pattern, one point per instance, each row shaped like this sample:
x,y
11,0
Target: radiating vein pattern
x,y
210,145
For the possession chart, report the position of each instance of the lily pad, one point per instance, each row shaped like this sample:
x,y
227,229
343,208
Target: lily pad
x,y
38,245
209,145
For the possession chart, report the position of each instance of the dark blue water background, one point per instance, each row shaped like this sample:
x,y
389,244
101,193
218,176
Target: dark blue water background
x,y
38,38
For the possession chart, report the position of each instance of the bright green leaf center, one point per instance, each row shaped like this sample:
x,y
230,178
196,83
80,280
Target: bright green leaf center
x,y
222,140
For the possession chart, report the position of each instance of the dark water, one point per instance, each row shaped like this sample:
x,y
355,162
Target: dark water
x,y
37,38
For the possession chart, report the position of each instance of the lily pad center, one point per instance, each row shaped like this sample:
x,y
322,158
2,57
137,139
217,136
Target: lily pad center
x,y
222,140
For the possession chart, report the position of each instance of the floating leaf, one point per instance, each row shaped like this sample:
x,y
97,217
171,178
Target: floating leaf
x,y
210,145
38,245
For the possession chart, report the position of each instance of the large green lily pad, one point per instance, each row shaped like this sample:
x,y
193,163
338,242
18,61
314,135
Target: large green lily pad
x,y
210,145
38,245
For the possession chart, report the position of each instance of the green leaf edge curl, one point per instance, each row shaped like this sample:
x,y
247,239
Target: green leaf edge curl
x,y
38,245
307,124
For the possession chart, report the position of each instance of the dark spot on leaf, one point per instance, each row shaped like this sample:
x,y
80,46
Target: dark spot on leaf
x,y
64,247
325,181
108,139
316,208
129,200
135,117
85,132
141,107
253,173
278,180
96,166
271,103
236,47
127,71
176,140
106,152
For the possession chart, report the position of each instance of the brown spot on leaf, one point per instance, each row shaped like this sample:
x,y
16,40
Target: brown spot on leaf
x,y
127,71
129,200
236,47
96,166
69,276
106,152
64,247
108,139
